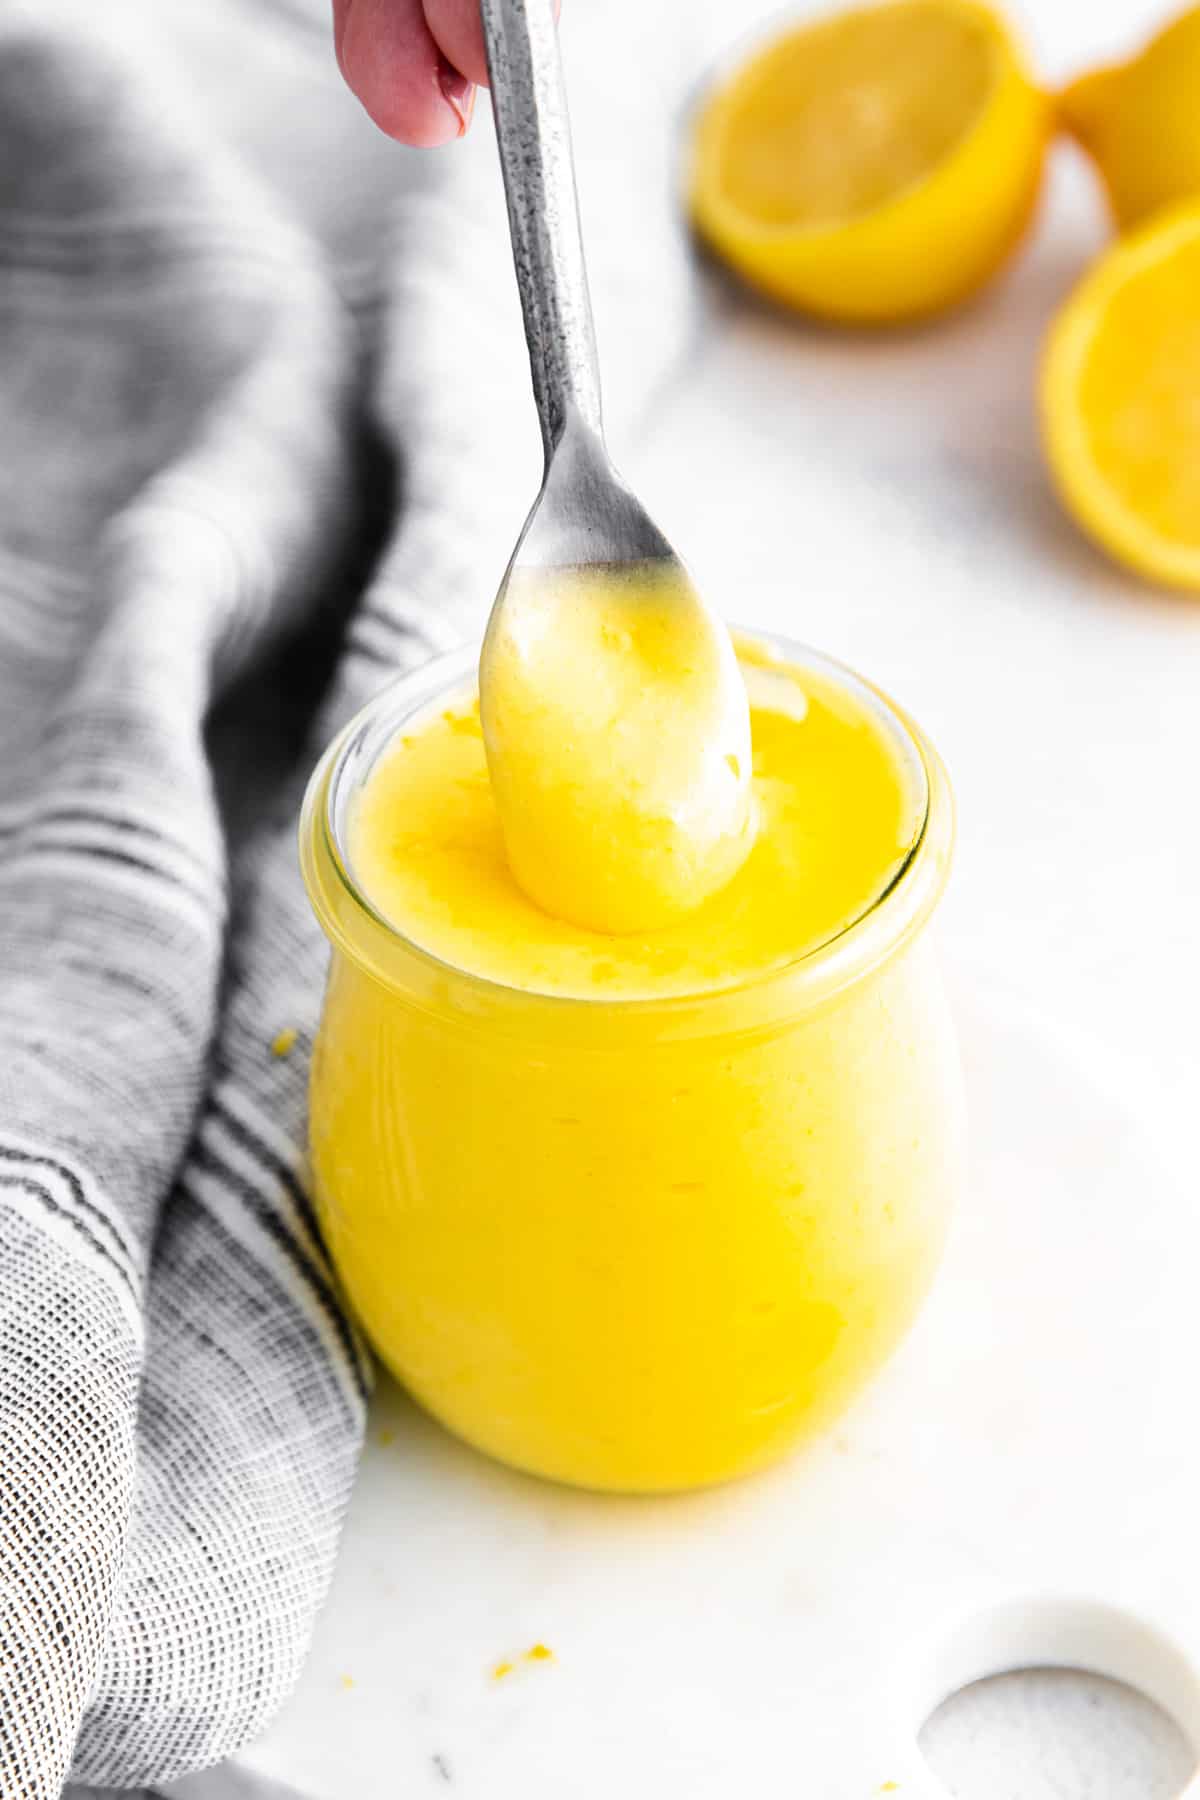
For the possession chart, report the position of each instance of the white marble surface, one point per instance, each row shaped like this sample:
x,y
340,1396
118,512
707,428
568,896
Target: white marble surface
x,y
885,499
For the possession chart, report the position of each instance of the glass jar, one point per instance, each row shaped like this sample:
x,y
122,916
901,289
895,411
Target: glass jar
x,y
640,1244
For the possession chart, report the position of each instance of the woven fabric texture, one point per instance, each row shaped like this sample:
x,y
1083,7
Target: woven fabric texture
x,y
269,441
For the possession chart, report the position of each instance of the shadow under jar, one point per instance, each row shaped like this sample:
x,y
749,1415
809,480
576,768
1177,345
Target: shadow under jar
x,y
633,1244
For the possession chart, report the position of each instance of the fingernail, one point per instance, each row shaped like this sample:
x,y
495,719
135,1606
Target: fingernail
x,y
459,94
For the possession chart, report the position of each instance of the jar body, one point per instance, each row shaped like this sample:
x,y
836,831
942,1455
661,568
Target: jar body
x,y
634,1260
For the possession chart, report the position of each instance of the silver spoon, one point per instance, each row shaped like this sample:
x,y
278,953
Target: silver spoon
x,y
614,714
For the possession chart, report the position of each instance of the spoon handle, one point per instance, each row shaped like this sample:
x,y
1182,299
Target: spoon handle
x,y
530,106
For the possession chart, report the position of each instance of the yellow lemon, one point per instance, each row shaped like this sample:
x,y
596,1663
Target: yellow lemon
x,y
1121,399
876,165
1140,121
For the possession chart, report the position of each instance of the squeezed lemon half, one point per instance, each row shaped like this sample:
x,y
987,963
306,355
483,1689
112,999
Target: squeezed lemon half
x,y
1120,400
874,166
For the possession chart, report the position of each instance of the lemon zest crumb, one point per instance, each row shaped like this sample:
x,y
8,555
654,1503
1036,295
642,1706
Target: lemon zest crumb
x,y
284,1042
537,1653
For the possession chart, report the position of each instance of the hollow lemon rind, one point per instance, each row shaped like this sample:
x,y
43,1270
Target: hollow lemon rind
x,y
1089,496
932,245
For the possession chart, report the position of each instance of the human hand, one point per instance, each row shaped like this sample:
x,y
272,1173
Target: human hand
x,y
414,64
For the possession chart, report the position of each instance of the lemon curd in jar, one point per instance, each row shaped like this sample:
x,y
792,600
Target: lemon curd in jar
x,y
635,1212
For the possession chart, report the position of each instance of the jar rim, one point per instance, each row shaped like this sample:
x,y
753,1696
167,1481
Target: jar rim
x,y
357,927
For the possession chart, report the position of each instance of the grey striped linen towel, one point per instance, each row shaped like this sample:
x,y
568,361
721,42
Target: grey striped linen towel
x,y
267,439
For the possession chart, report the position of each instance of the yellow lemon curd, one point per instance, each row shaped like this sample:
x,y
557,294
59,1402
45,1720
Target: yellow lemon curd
x,y
635,1211
618,743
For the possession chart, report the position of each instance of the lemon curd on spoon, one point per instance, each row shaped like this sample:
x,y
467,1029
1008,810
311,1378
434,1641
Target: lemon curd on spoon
x,y
618,742
635,1209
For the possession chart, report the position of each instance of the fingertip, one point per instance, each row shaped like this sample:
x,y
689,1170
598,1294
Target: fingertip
x,y
459,94
390,60
426,130
457,29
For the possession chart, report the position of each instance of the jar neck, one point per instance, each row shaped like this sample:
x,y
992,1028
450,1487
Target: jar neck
x,y
759,1002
